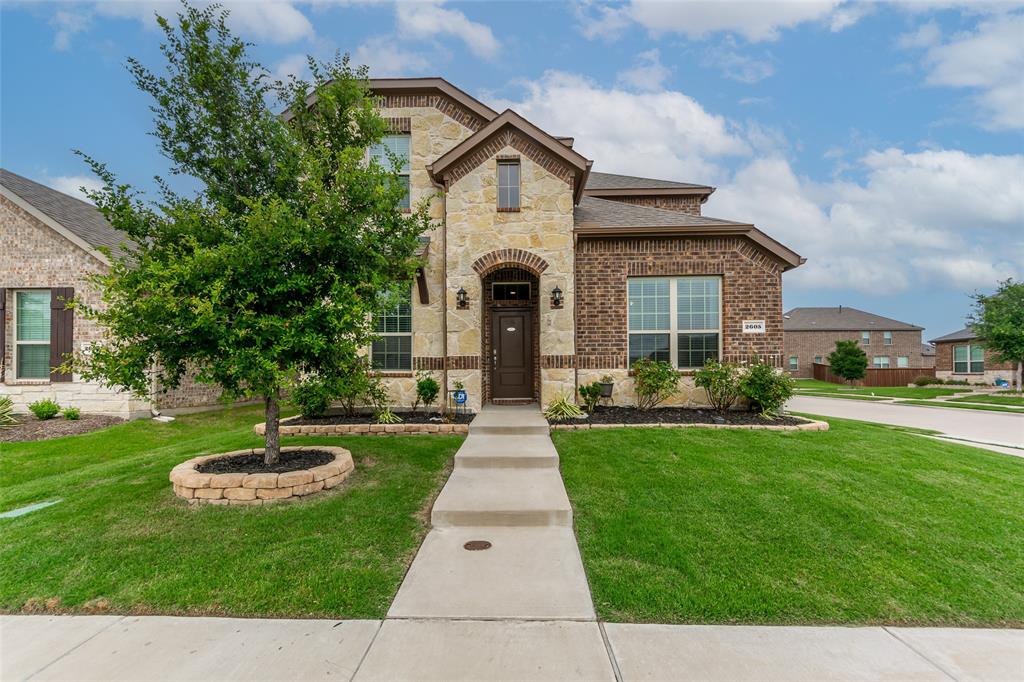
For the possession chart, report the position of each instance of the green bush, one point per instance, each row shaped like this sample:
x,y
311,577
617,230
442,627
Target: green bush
x,y
925,380
591,395
848,360
561,408
313,396
427,389
654,381
45,409
956,382
721,383
72,413
7,412
766,388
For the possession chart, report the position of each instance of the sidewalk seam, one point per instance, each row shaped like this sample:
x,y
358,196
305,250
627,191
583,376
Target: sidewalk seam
x,y
369,646
920,654
611,652
80,644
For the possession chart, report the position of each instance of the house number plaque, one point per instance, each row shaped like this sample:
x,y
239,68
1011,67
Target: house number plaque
x,y
753,326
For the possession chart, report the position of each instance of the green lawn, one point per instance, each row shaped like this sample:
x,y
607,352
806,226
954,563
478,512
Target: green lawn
x,y
844,396
994,399
120,540
922,393
861,524
959,406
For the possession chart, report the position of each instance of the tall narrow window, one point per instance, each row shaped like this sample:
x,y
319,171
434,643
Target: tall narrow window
x,y
865,338
887,338
697,303
32,334
392,352
794,363
508,184
397,145
676,320
650,324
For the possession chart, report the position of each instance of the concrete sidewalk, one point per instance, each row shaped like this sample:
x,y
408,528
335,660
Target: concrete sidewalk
x,y
115,649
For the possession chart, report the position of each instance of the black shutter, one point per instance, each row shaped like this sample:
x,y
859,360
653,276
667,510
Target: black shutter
x,y
62,323
3,332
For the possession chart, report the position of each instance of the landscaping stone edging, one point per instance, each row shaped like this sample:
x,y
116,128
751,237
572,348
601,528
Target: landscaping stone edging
x,y
257,489
811,425
367,429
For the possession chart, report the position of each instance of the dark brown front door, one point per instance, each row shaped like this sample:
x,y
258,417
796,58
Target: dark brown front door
x,y
512,355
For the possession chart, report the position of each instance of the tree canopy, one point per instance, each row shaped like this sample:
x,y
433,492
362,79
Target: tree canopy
x,y
848,360
998,320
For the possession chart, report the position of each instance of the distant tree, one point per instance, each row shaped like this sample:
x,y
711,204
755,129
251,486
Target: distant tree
x,y
848,360
998,320
274,268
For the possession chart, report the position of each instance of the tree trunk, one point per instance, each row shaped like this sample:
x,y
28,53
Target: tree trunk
x,y
1020,375
272,434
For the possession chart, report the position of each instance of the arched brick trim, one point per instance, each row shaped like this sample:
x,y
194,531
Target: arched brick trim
x,y
488,263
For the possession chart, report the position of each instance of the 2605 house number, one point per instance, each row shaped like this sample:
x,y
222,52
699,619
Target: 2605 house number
x,y
753,326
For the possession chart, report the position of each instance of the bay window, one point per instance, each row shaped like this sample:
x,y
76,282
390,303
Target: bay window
x,y
677,320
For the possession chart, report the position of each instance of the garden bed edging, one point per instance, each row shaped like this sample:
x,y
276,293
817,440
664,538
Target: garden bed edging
x,y
256,489
367,429
811,425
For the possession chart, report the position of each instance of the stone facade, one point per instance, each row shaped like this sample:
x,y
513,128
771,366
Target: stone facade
x,y
807,345
993,370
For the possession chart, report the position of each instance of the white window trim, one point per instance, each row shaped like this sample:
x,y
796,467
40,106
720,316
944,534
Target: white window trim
x,y
793,365
17,344
876,365
406,174
673,318
887,340
412,327
905,359
862,341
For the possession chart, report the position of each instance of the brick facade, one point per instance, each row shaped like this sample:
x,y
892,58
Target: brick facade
x,y
806,345
684,203
993,370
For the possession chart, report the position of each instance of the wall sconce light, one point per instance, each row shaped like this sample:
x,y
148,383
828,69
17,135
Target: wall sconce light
x,y
556,298
461,299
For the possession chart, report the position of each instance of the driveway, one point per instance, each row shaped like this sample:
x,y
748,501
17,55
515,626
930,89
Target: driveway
x,y
992,428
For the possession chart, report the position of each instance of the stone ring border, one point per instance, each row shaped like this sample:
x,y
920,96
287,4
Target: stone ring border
x,y
288,429
240,489
811,425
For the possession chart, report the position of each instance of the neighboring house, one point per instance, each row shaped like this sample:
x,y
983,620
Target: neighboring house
x,y
961,355
542,275
927,355
49,245
811,334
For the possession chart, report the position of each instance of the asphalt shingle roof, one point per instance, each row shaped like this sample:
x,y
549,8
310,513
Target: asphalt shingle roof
x,y
607,213
964,334
600,181
841,318
77,216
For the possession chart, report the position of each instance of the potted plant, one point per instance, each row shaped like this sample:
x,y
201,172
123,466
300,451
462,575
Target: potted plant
x,y
607,384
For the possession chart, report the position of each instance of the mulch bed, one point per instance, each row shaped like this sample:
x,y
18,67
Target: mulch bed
x,y
419,417
677,415
253,464
31,428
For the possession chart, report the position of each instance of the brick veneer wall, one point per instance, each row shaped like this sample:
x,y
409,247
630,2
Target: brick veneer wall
x,y
944,358
808,344
685,203
751,289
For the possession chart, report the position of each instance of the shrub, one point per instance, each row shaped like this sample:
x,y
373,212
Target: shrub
x,y
562,407
7,412
925,380
956,382
591,395
72,413
654,382
766,388
848,360
386,416
45,409
314,395
427,389
721,383
357,387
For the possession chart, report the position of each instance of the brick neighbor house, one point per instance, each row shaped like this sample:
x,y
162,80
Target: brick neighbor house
x,y
811,334
961,355
538,277
49,245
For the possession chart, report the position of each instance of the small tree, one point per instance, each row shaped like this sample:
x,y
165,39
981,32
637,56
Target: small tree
x,y
427,389
654,381
721,383
274,268
998,320
848,360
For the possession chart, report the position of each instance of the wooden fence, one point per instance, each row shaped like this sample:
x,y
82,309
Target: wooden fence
x,y
876,377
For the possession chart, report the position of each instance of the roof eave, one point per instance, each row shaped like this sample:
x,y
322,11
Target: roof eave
x,y
647,191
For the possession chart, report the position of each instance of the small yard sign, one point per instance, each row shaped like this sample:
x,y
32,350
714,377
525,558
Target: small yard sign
x,y
753,326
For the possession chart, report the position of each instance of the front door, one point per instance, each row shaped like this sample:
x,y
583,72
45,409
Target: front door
x,y
512,355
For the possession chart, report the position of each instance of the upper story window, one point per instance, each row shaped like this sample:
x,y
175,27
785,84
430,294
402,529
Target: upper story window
x,y
393,350
398,145
887,338
968,359
865,338
508,184
677,320
32,334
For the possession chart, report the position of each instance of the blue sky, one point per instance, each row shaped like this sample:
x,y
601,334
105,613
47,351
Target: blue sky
x,y
882,141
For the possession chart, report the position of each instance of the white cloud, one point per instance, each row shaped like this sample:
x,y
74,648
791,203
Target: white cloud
x,y
755,20
659,134
385,57
647,73
737,66
429,19
988,60
72,184
926,35
293,65
67,23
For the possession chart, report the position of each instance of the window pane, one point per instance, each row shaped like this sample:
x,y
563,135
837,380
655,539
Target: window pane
x,y
888,338
903,361
865,338
881,361
397,145
391,353
649,304
977,353
508,184
817,359
34,361
694,349
650,346
511,292
398,319
406,201
960,353
33,316
697,303
794,362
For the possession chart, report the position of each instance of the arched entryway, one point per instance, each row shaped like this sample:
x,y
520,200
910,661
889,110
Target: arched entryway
x,y
511,335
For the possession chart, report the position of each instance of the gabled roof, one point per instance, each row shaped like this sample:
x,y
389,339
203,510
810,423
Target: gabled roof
x,y
841,318
506,120
612,184
80,222
964,334
595,217
927,349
